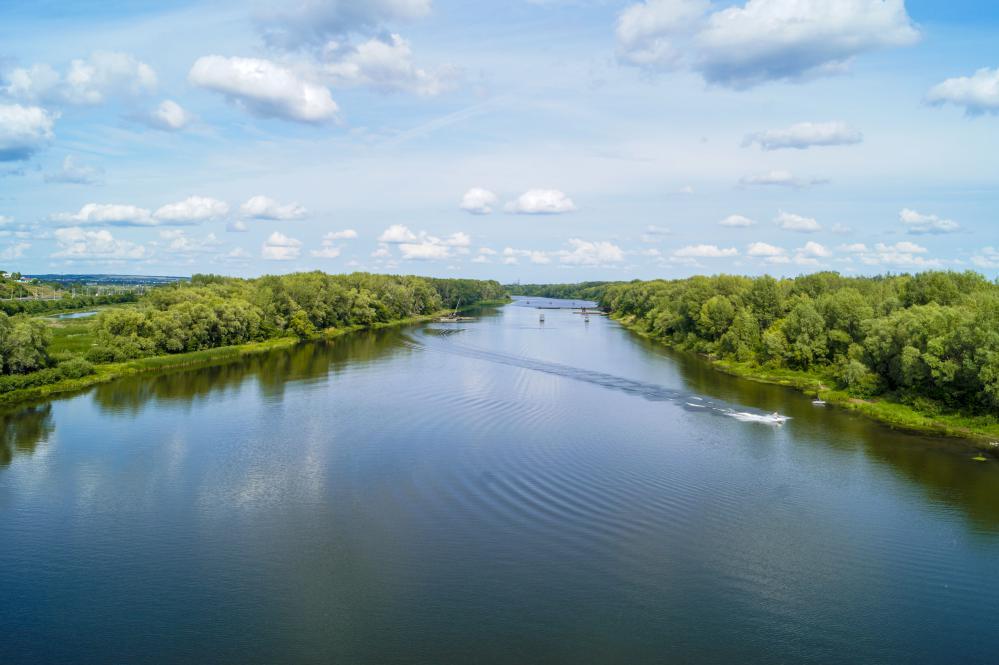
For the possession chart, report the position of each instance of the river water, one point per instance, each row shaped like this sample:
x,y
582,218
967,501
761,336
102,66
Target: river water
x,y
495,491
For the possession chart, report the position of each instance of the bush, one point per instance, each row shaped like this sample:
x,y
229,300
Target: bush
x,y
75,368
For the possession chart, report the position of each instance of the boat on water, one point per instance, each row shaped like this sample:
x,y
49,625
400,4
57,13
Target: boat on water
x,y
818,402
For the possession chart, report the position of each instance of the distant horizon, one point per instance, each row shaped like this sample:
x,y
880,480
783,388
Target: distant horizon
x,y
546,141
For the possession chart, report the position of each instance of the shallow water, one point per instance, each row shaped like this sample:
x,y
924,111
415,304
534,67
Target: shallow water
x,y
500,491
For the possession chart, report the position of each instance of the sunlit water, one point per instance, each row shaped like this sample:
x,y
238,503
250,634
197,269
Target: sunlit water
x,y
496,491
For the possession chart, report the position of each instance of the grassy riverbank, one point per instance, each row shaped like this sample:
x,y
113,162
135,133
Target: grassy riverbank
x,y
104,373
817,384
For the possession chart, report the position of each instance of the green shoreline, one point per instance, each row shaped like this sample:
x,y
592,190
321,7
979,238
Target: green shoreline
x,y
893,414
206,357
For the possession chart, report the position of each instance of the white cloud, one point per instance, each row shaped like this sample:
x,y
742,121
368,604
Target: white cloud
x,y
907,254
192,210
263,207
314,22
978,93
327,252
919,224
481,259
264,88
654,234
381,253
346,234
168,116
384,64
779,178
107,214
75,243
458,239
397,233
478,201
87,81
813,249
24,130
855,248
987,257
806,135
425,250
686,189
541,202
761,40
237,226
74,173
737,221
279,247
764,250
15,251
487,251
511,256
705,252
588,253
792,222
178,242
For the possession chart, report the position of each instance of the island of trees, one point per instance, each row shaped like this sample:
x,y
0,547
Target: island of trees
x,y
210,311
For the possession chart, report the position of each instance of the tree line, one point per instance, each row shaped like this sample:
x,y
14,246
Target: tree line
x,y
212,311
930,340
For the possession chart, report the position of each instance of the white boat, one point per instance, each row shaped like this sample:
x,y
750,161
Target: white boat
x,y
818,402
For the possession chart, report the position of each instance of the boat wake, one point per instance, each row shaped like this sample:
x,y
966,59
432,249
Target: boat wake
x,y
445,343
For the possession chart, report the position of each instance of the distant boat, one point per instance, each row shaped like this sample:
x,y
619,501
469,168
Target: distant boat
x,y
818,402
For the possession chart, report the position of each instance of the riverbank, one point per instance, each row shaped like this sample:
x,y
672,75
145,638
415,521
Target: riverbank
x,y
980,429
105,373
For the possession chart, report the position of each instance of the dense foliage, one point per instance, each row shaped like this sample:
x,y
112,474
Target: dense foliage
x,y
66,302
930,339
212,311
580,291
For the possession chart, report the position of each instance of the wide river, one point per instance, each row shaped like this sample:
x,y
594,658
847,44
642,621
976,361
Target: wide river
x,y
497,491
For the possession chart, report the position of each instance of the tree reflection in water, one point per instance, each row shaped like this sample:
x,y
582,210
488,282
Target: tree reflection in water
x,y
22,430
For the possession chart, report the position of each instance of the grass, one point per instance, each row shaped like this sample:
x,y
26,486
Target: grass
x,y
894,414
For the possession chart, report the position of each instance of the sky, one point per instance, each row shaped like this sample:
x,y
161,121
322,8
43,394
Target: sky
x,y
539,141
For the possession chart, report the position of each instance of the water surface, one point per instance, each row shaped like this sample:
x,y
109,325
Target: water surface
x,y
498,491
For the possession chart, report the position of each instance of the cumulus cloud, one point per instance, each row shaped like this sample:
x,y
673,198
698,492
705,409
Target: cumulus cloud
x,y
813,249
192,210
264,88
855,248
761,40
590,253
422,246
314,22
75,243
762,249
75,173
24,130
478,201
919,224
905,254
806,135
397,233
512,256
279,247
178,242
705,252
737,221
107,214
779,178
237,226
384,64
977,94
654,234
87,81
168,116
541,202
264,207
346,234
799,223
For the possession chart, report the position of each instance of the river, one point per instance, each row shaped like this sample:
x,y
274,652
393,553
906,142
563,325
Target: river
x,y
495,491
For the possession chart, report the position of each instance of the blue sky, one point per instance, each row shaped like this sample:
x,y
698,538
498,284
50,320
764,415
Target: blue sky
x,y
542,141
